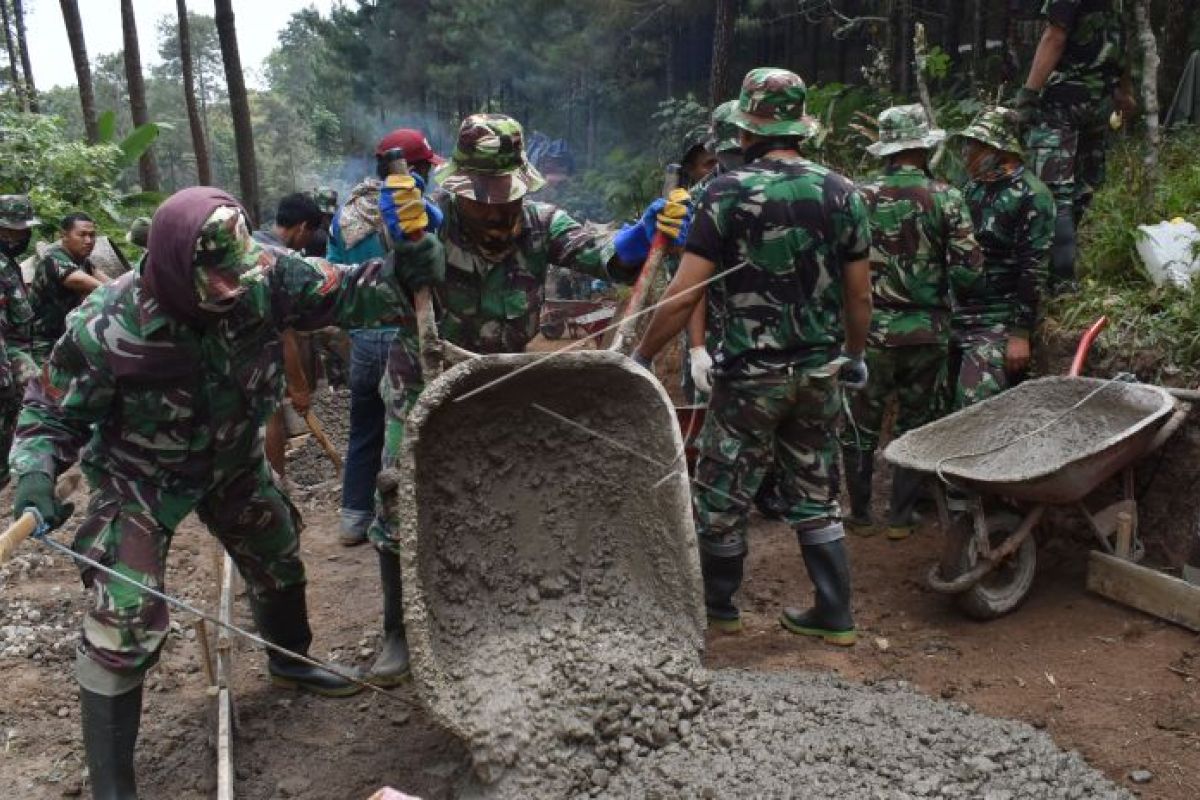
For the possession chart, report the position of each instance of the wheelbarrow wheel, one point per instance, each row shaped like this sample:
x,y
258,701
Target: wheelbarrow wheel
x,y
1002,589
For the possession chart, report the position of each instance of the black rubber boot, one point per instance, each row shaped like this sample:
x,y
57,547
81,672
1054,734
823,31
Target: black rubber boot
x,y
391,665
283,620
860,469
110,732
906,490
829,618
722,579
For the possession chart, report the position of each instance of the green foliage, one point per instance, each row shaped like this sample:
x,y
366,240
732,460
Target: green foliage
x,y
680,123
1155,331
937,63
58,174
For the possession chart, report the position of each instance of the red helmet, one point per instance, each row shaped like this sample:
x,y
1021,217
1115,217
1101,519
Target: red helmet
x,y
413,142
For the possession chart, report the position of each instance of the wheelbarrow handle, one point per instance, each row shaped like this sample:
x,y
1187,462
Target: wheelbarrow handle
x,y
1173,424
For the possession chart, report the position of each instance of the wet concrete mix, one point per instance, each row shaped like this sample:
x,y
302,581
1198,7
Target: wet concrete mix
x,y
553,600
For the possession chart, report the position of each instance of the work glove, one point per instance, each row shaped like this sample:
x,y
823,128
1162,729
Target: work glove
x,y
701,364
853,373
36,490
419,264
1028,105
672,216
402,207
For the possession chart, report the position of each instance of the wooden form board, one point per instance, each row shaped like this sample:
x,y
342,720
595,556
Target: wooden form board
x,y
225,772
1145,589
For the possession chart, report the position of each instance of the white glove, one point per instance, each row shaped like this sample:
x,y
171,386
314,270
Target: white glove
x,y
701,364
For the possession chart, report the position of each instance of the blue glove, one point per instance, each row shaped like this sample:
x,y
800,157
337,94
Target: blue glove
x,y
632,243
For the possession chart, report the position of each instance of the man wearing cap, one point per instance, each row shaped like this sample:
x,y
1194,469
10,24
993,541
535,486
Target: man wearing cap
x,y
1013,213
327,200
923,248
786,241
1077,78
163,380
63,276
16,315
138,234
499,244
356,235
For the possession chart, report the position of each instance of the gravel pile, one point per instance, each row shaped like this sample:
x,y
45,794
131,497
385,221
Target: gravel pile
x,y
308,465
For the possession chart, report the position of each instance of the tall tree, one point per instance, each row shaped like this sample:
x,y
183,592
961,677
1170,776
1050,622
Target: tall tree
x,y
199,143
83,72
13,77
26,67
239,106
147,164
718,82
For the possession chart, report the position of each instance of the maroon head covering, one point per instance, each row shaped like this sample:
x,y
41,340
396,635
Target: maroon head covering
x,y
167,273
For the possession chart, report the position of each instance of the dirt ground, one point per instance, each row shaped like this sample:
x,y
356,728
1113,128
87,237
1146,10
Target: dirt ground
x,y
1116,685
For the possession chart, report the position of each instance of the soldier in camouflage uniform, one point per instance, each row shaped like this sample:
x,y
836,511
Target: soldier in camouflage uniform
x,y
1073,85
63,277
1013,213
788,242
16,316
499,244
164,380
922,246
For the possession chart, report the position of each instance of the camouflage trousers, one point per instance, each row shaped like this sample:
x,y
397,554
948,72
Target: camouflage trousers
x,y
978,357
125,629
401,386
20,370
1067,151
785,424
915,374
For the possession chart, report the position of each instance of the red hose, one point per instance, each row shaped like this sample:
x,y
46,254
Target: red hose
x,y
1085,344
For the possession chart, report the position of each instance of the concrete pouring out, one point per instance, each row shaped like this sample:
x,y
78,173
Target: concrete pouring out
x,y
564,647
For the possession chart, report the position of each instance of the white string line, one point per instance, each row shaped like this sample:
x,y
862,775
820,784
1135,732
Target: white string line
x,y
1004,445
581,342
669,465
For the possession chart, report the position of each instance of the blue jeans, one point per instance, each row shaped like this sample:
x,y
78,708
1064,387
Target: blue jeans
x,y
368,363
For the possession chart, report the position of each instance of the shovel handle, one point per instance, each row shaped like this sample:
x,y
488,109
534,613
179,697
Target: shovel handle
x,y
314,425
27,523
627,331
18,532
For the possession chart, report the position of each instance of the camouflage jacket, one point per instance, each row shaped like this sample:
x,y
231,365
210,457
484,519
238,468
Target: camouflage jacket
x,y
165,411
1093,59
16,316
493,307
50,299
922,248
785,227
1014,223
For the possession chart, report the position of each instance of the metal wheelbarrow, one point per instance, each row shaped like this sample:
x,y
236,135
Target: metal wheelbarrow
x,y
1050,441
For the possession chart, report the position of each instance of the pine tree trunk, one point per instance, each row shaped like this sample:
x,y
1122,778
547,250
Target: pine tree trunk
x,y
902,47
13,77
979,43
718,82
83,71
952,33
1177,32
239,107
199,143
1150,64
147,164
26,67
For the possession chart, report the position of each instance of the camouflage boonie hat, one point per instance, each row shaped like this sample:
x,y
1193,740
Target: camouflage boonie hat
x,y
996,126
772,104
16,212
139,232
227,260
905,128
722,132
489,163
326,199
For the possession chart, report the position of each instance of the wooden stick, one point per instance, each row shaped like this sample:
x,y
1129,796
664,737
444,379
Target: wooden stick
x,y
225,771
26,524
1124,543
205,651
318,433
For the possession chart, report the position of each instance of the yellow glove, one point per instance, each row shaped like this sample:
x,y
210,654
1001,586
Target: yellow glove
x,y
402,207
676,213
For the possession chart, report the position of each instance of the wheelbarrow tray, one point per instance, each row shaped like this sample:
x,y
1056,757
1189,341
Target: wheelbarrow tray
x,y
1051,440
